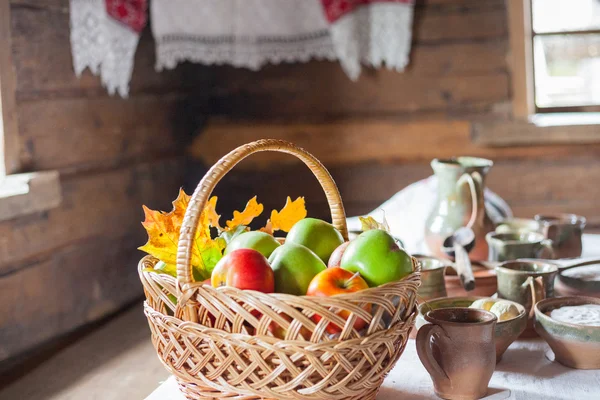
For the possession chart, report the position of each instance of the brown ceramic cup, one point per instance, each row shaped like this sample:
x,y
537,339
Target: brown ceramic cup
x,y
565,231
458,350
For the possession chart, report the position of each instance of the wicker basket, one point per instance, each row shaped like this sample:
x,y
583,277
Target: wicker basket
x,y
219,342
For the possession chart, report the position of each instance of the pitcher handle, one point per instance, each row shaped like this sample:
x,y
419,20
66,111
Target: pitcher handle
x,y
474,181
425,352
547,245
534,283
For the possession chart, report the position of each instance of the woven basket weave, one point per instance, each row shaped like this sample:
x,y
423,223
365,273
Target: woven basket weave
x,y
219,343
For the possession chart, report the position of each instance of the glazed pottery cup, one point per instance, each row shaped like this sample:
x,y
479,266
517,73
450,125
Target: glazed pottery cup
x,y
513,245
433,284
574,345
457,348
518,225
526,282
565,231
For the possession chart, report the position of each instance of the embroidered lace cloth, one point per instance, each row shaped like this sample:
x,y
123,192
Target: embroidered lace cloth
x,y
242,33
104,37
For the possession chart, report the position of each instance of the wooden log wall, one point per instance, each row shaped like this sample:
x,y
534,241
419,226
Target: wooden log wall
x,y
379,134
76,263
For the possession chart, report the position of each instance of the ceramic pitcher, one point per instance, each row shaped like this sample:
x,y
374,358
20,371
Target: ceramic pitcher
x,y
460,202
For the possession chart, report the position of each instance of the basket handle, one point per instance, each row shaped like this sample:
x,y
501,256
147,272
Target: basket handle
x,y
222,167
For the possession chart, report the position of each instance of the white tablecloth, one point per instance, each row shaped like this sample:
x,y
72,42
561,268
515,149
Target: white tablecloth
x,y
525,373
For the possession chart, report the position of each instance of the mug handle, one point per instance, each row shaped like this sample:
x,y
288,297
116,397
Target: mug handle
x,y
534,284
425,351
546,245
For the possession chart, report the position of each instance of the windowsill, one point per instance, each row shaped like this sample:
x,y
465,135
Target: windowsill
x,y
23,194
565,119
540,129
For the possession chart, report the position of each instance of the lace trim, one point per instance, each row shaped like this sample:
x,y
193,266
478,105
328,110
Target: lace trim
x,y
374,35
173,49
105,46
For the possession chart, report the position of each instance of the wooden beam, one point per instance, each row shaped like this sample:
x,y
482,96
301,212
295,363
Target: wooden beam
x,y
72,135
462,24
521,57
321,89
362,140
9,145
520,133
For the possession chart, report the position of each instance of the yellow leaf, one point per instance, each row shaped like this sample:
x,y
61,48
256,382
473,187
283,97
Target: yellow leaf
x,y
253,209
163,236
292,212
211,210
370,223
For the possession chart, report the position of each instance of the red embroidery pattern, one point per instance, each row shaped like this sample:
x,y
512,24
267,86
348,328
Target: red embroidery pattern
x,y
132,13
334,9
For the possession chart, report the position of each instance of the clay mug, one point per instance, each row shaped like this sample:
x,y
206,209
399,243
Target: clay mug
x,y
526,282
458,351
433,283
514,245
565,231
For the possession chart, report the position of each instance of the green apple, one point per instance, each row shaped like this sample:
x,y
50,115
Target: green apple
x,y
294,266
259,241
376,255
319,236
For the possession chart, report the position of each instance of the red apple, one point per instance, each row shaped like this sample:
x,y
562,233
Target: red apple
x,y
336,256
334,281
244,269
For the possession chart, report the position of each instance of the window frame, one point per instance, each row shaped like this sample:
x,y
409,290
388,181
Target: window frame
x,y
9,145
20,193
520,14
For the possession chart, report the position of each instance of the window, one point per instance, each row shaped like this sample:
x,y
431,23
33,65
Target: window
x,y
566,54
555,47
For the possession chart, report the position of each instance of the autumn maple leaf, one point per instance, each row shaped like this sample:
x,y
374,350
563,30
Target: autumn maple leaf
x,y
283,220
163,236
253,209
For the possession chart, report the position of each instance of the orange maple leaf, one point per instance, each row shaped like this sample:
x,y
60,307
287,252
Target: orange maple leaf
x,y
253,209
163,235
292,212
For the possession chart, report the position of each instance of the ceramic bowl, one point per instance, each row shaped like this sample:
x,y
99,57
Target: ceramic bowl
x,y
575,346
505,333
579,281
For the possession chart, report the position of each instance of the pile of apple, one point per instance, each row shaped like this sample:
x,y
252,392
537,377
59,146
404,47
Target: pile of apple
x,y
313,261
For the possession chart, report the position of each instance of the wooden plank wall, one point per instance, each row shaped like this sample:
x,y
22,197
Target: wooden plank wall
x,y
379,134
76,263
